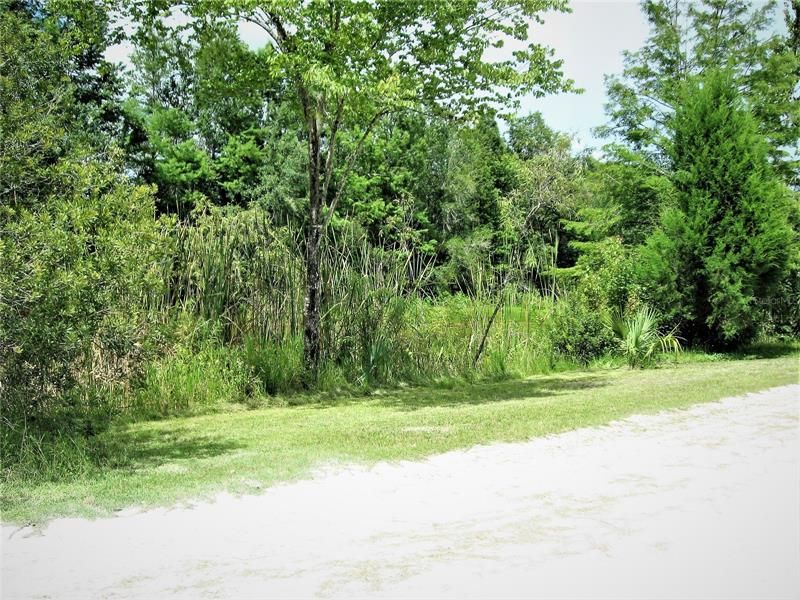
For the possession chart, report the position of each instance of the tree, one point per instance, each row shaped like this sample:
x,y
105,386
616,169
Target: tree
x,y
631,187
201,103
34,95
720,252
546,190
52,78
530,135
350,64
688,39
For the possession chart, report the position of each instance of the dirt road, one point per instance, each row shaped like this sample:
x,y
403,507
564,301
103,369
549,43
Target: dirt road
x,y
699,503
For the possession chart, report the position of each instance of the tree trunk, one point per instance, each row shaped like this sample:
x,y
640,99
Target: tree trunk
x,y
319,177
312,339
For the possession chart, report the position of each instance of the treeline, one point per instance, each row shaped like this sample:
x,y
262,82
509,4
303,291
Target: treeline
x,y
215,224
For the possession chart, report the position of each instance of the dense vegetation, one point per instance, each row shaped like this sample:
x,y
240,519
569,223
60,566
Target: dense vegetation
x,y
357,204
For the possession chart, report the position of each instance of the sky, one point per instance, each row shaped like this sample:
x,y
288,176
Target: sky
x,y
590,41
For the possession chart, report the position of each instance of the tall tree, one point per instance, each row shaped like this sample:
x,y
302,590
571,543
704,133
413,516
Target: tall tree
x,y
351,63
719,254
688,39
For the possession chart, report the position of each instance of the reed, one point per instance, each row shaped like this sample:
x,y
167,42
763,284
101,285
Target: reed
x,y
240,279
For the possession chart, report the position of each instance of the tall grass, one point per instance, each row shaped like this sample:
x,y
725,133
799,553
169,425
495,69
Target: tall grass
x,y
379,326
235,268
226,324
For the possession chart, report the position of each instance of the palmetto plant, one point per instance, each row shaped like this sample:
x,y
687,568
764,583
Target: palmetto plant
x,y
640,337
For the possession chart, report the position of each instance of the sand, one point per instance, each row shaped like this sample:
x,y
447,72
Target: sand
x,y
697,503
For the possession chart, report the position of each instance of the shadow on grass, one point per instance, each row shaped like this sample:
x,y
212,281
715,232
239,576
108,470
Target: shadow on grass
x,y
756,351
768,350
461,394
129,448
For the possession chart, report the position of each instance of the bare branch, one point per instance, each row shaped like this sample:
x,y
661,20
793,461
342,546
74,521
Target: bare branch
x,y
255,20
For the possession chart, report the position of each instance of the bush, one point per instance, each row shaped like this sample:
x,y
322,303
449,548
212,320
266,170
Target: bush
x,y
640,338
577,332
75,270
604,270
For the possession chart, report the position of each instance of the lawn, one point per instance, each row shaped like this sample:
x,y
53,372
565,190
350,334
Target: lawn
x,y
182,459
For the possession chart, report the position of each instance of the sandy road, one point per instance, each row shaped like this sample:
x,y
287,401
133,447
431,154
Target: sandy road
x,y
699,503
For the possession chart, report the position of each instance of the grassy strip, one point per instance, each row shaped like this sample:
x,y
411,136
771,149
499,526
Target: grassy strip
x,y
166,461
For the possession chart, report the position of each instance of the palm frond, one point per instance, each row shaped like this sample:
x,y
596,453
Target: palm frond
x,y
639,336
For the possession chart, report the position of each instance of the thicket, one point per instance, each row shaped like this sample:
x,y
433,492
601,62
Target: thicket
x,y
154,227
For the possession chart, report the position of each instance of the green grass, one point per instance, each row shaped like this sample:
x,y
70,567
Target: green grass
x,y
161,462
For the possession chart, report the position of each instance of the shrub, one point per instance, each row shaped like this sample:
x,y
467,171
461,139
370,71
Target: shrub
x,y
640,338
577,332
74,272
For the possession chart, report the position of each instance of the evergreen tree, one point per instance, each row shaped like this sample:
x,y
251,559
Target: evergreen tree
x,y
720,252
688,39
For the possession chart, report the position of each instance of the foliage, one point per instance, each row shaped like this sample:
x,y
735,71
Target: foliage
x,y
692,39
344,198
631,190
191,381
721,251
639,336
80,250
577,331
547,189
74,274
34,94
196,116
601,273
335,58
530,136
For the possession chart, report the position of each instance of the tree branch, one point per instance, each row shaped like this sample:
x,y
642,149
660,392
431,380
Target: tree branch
x,y
350,161
331,147
276,42
279,28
